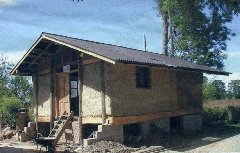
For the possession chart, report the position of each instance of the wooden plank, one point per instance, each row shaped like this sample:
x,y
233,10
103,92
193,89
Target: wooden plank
x,y
91,120
115,120
43,119
149,117
90,61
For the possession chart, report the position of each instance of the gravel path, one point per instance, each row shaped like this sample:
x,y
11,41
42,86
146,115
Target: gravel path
x,y
231,144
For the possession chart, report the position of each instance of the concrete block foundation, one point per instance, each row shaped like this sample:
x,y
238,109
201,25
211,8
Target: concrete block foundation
x,y
192,122
107,132
163,125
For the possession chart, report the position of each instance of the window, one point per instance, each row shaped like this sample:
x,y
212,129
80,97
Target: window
x,y
74,91
143,77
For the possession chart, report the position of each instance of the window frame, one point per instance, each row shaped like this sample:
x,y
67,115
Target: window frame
x,y
143,77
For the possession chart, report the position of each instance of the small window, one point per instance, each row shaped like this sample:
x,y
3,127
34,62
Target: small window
x,y
74,91
143,77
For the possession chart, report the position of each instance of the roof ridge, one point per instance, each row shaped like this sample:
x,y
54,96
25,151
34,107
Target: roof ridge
x,y
139,50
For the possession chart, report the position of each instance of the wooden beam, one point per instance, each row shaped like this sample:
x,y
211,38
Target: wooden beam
x,y
43,119
39,55
121,120
29,62
80,91
32,55
36,100
102,70
51,94
149,117
79,49
36,50
91,120
90,61
45,71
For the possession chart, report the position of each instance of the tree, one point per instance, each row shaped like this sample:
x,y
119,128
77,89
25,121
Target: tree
x,y
21,88
208,90
15,93
198,31
234,89
213,90
9,107
220,91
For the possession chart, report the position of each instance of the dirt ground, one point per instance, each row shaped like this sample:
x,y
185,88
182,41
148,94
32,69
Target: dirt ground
x,y
218,138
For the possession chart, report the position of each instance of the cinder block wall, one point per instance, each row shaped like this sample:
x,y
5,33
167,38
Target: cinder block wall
x,y
162,124
192,122
109,133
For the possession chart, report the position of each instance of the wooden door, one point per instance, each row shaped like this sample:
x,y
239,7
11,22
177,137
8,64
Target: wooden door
x,y
63,93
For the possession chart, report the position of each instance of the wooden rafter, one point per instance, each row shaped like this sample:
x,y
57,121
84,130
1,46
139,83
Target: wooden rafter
x,y
39,55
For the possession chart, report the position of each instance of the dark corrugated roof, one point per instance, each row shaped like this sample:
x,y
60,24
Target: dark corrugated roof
x,y
127,55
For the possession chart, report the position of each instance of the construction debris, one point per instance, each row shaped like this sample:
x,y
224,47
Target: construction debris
x,y
7,133
106,147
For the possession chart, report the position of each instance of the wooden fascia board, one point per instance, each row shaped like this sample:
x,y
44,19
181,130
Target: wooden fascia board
x,y
80,50
13,72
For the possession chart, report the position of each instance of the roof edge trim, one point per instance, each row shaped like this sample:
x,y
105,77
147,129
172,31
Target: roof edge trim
x,y
81,50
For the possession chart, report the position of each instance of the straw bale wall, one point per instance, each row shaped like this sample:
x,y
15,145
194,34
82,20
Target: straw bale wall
x,y
171,90
126,99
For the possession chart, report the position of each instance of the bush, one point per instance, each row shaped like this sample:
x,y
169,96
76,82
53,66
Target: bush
x,y
211,115
9,108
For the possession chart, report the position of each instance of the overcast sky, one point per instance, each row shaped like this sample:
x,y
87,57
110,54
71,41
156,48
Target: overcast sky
x,y
119,22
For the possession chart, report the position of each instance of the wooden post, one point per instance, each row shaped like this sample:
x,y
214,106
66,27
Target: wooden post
x,y
51,95
103,93
36,100
80,90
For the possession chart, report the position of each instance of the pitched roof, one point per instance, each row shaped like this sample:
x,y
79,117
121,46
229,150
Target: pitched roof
x,y
118,54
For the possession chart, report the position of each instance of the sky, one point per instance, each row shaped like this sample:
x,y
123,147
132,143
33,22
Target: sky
x,y
109,21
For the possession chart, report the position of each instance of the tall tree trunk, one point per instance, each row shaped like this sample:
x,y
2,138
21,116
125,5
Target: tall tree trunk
x,y
0,121
165,35
171,34
171,42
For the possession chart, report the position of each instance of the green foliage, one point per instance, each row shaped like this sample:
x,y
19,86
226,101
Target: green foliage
x,y
208,91
21,88
15,93
200,32
213,90
212,115
9,108
219,89
234,89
